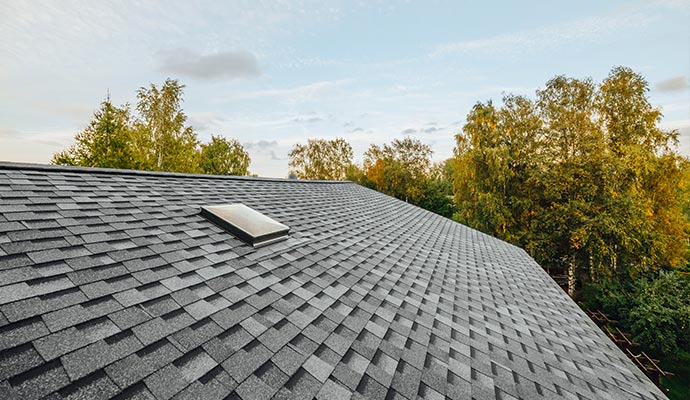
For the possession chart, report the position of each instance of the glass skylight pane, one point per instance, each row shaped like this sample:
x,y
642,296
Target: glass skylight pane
x,y
246,223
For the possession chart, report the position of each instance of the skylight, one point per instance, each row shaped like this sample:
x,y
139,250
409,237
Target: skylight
x,y
246,223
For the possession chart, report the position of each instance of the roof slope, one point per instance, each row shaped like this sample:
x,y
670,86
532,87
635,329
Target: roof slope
x,y
113,284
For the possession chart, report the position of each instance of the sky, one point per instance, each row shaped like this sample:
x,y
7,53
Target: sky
x,y
275,73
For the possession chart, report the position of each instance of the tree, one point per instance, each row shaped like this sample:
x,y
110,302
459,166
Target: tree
x,y
480,186
660,316
321,159
574,151
496,158
581,177
654,309
165,143
355,173
399,169
105,142
649,169
156,139
437,190
223,156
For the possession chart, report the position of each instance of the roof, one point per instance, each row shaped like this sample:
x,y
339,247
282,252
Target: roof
x,y
113,284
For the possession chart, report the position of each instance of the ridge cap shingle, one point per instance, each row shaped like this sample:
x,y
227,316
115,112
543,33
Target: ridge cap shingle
x,y
20,166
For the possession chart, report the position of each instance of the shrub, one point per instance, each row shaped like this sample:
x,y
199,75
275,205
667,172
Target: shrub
x,y
655,310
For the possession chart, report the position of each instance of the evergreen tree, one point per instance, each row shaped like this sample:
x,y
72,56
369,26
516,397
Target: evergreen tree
x,y
105,143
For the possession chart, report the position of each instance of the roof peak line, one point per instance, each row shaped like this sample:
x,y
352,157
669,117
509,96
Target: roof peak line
x,y
9,165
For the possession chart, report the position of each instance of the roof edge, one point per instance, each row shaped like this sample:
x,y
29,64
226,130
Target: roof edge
x,y
9,165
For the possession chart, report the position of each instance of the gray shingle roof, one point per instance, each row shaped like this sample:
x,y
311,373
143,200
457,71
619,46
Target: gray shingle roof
x,y
113,284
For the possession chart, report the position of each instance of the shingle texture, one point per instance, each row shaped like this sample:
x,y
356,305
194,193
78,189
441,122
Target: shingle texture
x,y
113,284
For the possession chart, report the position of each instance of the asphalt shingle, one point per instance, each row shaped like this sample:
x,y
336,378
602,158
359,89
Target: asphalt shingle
x,y
137,366
97,355
17,360
75,337
39,381
21,332
94,387
70,316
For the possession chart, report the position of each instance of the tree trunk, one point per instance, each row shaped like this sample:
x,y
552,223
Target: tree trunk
x,y
571,276
593,275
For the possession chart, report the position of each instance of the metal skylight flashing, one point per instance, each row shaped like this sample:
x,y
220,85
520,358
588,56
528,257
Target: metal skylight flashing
x,y
247,224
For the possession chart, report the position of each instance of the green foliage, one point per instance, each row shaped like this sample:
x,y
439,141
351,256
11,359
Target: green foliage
x,y
356,174
399,169
104,143
402,169
224,157
676,387
660,317
65,157
581,177
614,296
321,159
495,164
157,139
584,179
654,309
438,190
165,143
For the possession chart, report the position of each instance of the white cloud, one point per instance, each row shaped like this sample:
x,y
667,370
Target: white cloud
x,y
683,128
261,144
36,147
675,107
580,31
675,124
6,132
213,66
298,93
62,30
431,129
88,42
675,84
308,118
672,4
268,157
204,121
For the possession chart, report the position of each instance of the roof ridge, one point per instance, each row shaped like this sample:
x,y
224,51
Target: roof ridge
x,y
8,165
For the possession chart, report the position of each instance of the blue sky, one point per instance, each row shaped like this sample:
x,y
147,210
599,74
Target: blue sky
x,y
272,74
